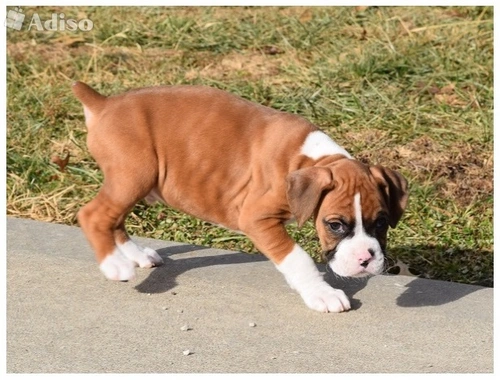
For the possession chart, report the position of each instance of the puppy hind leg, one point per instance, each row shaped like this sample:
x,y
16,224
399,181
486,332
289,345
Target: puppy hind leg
x,y
98,220
102,221
142,256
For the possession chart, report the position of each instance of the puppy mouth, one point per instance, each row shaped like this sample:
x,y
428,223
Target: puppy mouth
x,y
364,272
354,271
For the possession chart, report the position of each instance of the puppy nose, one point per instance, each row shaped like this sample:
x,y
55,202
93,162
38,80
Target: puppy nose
x,y
365,263
365,258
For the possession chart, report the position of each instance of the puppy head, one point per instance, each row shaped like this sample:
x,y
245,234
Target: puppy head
x,y
353,206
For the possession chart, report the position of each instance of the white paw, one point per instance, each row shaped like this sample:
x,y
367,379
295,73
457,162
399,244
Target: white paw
x,y
117,267
144,257
325,299
302,275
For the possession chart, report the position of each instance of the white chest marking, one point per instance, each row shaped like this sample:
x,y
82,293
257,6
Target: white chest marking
x,y
317,144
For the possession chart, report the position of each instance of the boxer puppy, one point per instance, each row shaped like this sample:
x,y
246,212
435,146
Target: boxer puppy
x,y
241,165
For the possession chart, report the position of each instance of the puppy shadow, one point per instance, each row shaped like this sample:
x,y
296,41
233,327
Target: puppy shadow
x,y
164,278
423,292
418,292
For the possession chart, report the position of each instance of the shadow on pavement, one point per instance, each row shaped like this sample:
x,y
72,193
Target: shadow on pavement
x,y
419,292
423,292
163,278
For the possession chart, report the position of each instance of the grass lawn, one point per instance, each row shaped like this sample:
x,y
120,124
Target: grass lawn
x,y
410,88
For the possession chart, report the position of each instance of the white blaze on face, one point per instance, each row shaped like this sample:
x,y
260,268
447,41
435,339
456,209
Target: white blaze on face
x,y
359,254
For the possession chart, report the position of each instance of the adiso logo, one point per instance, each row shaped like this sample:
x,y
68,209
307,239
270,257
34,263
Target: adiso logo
x,y
58,22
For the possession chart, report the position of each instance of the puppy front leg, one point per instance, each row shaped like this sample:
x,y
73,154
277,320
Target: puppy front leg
x,y
299,269
302,275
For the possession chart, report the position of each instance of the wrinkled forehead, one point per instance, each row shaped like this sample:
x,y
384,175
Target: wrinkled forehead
x,y
345,204
354,185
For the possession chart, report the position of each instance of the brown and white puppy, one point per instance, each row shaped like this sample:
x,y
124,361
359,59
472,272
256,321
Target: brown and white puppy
x,y
241,165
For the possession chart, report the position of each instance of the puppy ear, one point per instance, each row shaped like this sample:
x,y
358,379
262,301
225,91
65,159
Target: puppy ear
x,y
304,189
394,187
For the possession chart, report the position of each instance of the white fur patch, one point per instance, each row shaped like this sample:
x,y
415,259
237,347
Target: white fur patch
x,y
303,276
144,257
117,267
351,252
317,144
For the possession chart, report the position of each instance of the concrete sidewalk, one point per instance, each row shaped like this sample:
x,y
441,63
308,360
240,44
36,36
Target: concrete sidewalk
x,y
64,316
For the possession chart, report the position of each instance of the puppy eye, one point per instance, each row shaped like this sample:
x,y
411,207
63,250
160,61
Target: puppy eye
x,y
381,223
338,227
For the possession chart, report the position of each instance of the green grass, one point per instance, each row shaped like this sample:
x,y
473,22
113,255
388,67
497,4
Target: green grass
x,y
407,87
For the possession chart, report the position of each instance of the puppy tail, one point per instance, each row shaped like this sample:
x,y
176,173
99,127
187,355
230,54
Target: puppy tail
x,y
92,101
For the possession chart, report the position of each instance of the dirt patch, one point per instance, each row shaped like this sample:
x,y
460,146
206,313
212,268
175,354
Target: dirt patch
x,y
252,65
463,171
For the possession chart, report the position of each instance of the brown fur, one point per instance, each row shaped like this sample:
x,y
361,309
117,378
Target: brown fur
x,y
222,159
